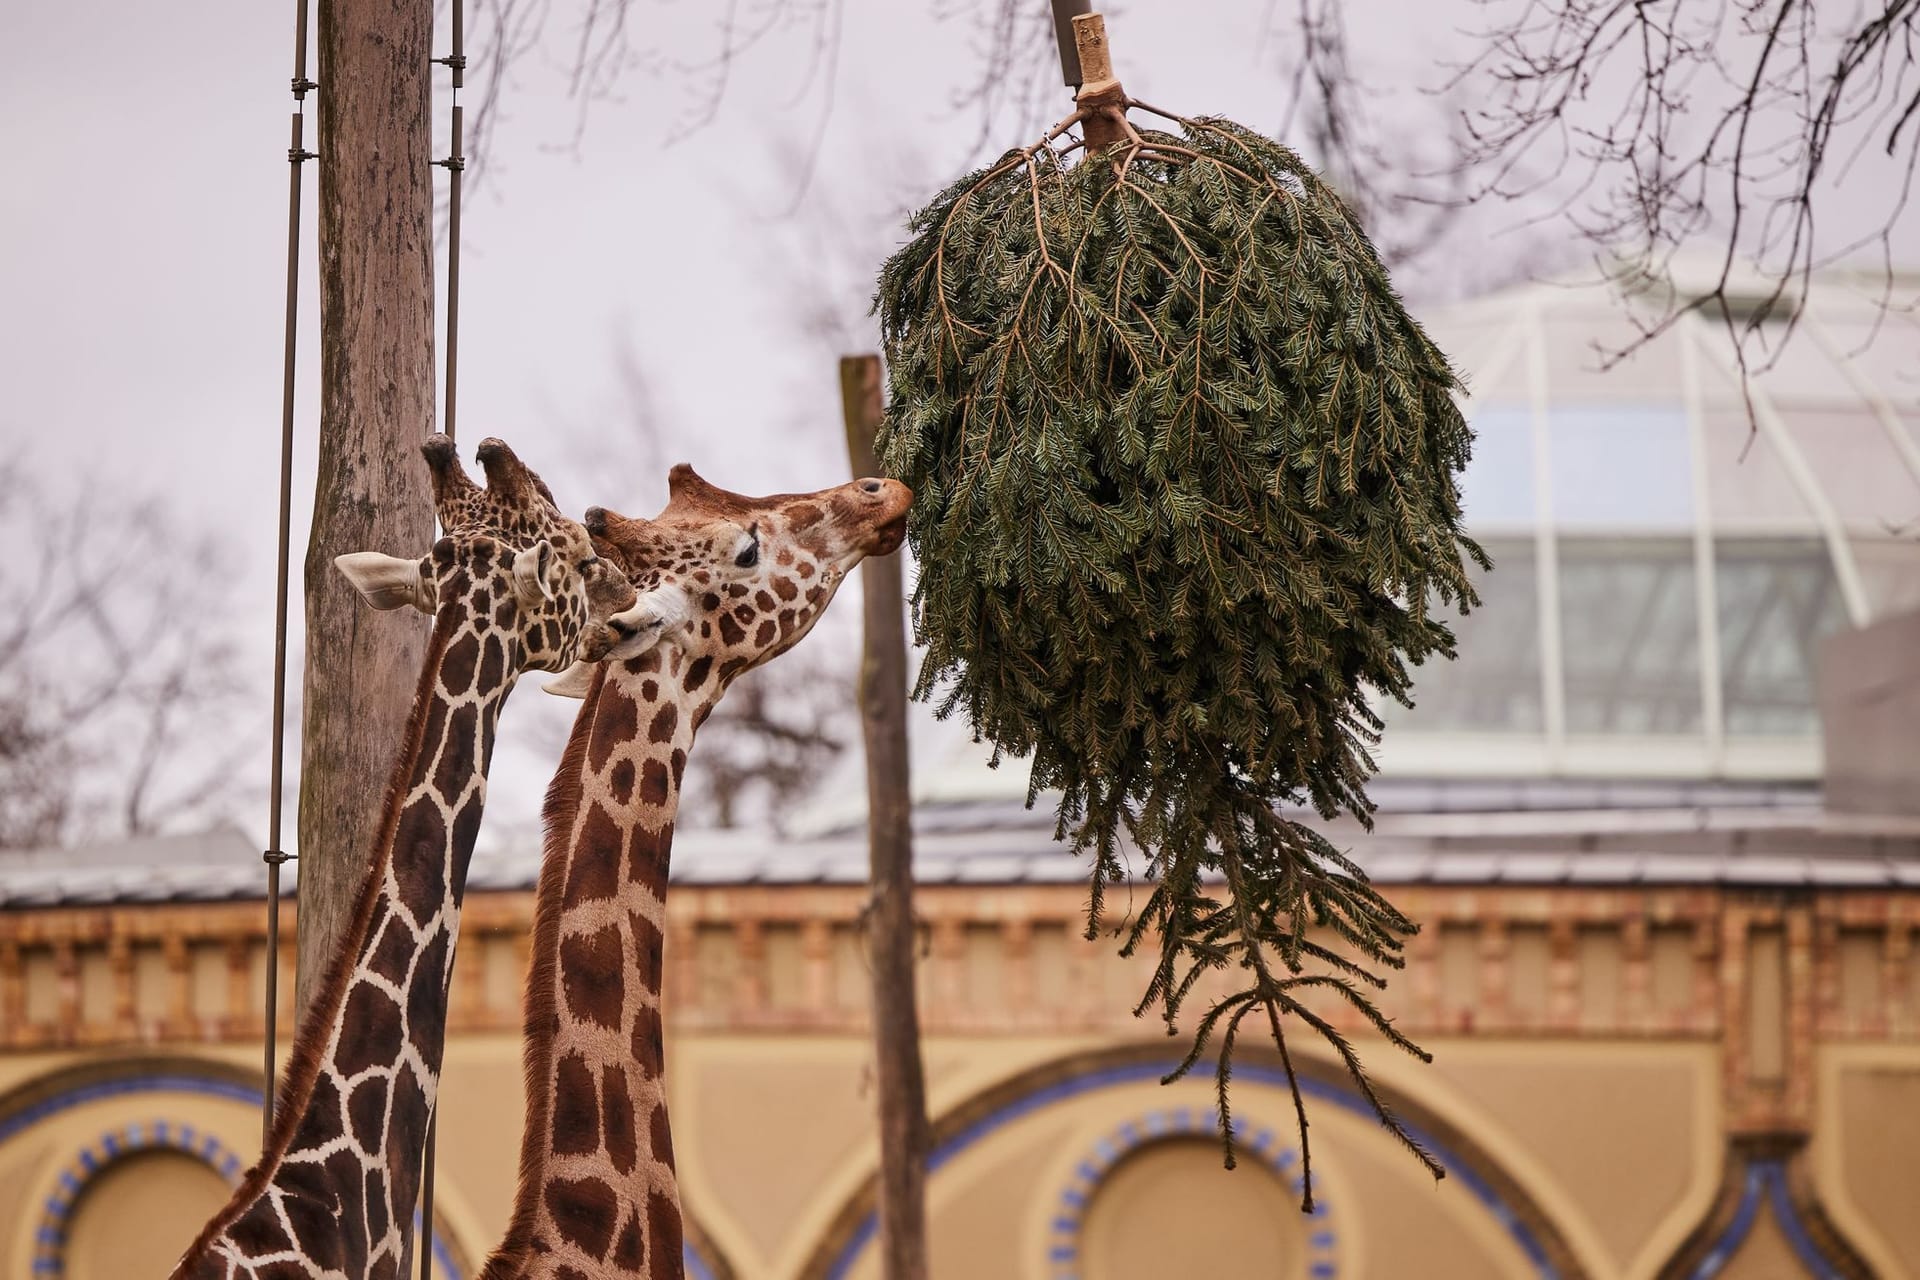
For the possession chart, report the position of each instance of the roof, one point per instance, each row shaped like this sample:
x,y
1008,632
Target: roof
x,y
1428,834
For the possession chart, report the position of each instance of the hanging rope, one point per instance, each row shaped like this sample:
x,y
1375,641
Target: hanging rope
x,y
274,856
455,164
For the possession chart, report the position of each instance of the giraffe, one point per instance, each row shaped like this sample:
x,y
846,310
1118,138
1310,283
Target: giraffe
x,y
513,585
597,1196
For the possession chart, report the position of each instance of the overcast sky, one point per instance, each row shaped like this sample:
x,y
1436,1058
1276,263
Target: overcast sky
x,y
142,223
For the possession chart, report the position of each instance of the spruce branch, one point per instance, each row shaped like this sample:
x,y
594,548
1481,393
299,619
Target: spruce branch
x,y
1186,471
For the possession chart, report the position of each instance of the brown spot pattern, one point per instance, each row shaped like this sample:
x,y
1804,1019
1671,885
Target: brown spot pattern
x,y
371,1031
647,854
394,952
367,1113
457,666
648,1047
582,1210
419,854
647,946
617,720
663,1228
456,763
593,867
662,1135
620,782
590,976
630,1250
576,1112
623,1145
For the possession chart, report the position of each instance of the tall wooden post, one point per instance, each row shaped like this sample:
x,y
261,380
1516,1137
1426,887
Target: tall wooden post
x,y
376,405
904,1133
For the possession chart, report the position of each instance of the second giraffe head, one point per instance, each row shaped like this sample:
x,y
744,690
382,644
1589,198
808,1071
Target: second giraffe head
x,y
754,573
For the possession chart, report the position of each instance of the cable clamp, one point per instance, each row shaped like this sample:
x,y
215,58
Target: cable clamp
x,y
457,61
277,857
453,164
301,86
296,154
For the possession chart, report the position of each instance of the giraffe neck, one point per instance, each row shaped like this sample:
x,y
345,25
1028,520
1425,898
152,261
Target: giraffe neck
x,y
335,1188
597,1196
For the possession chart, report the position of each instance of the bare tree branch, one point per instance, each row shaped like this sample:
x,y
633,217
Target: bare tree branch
x,y
116,670
1657,125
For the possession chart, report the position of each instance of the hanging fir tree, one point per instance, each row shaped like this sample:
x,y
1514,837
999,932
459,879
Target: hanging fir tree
x,y
1185,471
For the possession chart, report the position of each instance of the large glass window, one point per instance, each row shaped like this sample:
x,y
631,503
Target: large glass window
x,y
1630,636
1496,489
1778,599
1494,685
1622,467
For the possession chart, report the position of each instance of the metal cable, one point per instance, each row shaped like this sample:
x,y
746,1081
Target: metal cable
x,y
455,164
274,856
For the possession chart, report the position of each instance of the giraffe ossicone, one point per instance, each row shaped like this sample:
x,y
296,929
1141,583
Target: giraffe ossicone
x,y
513,586
598,1198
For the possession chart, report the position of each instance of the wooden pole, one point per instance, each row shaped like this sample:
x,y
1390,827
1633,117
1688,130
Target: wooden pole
x,y
376,405
904,1134
1100,96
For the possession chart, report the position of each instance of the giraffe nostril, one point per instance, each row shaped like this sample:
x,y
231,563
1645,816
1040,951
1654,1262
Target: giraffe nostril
x,y
872,486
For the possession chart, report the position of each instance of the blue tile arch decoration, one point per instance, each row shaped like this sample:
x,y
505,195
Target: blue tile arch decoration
x,y
186,1081
1765,1180
111,1147
135,1085
1511,1220
1165,1124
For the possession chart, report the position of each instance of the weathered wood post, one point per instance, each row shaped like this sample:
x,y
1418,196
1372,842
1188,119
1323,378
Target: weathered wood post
x,y
376,405
904,1133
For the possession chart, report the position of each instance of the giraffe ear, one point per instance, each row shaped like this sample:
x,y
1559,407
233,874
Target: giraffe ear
x,y
530,575
387,582
574,682
657,614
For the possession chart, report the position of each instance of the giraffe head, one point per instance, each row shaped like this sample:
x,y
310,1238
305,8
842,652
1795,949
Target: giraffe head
x,y
516,567
754,574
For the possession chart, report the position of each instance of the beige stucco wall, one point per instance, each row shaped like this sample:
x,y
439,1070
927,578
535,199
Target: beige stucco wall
x,y
1617,1142
1866,1151
1597,1057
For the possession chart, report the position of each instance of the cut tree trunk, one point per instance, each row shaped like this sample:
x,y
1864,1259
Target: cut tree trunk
x,y
376,406
904,1133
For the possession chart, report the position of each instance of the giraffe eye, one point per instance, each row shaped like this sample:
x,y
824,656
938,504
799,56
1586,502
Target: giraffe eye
x,y
750,554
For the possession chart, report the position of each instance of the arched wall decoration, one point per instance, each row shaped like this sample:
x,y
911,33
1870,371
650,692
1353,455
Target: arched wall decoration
x,y
1162,1125
43,1099
56,1211
127,1081
1524,1223
1767,1179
